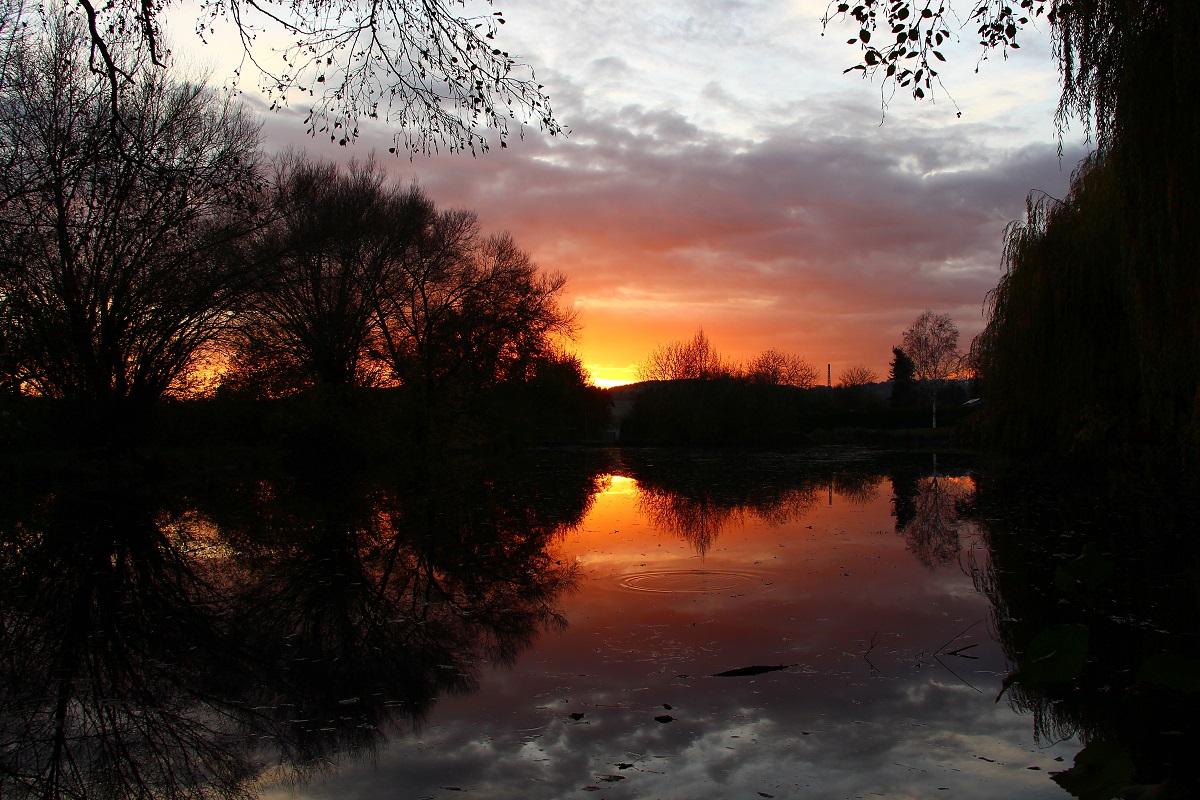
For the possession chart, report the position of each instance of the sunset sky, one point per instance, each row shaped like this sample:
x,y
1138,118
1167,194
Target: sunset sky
x,y
721,172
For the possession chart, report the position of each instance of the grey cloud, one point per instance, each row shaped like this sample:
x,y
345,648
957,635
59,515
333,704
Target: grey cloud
x,y
609,67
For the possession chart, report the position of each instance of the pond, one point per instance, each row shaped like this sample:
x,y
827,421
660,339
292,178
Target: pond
x,y
608,624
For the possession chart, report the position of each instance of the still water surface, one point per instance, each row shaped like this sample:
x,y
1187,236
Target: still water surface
x,y
891,671
612,625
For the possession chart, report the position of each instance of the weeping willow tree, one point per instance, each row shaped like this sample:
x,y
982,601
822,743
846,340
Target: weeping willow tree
x,y
1094,330
1155,155
1057,352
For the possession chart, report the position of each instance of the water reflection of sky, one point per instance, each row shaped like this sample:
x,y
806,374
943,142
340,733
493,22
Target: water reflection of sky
x,y
873,706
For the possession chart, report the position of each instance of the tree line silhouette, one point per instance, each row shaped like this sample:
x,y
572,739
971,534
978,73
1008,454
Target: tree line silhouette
x,y
160,253
693,395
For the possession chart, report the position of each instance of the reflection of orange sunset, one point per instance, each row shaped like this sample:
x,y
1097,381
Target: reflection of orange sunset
x,y
618,532
769,589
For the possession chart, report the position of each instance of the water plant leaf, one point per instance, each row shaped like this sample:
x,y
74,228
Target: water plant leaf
x,y
745,672
961,652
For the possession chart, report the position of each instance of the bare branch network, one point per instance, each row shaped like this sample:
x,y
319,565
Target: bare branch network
x,y
426,67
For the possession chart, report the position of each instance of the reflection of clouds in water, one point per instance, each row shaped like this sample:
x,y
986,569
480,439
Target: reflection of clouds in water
x,y
788,750
828,726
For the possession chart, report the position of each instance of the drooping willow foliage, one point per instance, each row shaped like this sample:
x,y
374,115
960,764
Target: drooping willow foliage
x,y
1092,44
1094,330
1057,348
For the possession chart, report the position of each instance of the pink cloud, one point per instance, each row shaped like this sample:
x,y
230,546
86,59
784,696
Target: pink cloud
x,y
824,245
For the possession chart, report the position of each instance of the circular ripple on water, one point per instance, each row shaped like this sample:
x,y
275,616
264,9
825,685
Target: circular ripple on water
x,y
690,581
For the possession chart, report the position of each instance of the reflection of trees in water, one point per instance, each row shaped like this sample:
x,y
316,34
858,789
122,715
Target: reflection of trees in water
x,y
372,597
776,505
933,532
116,648
160,652
698,497
929,511
1110,573
857,488
697,519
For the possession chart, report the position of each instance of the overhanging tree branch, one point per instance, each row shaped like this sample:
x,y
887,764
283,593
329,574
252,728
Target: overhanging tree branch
x,y
423,66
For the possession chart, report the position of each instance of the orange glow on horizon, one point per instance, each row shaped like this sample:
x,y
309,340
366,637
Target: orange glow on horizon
x,y
610,377
613,346
613,343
